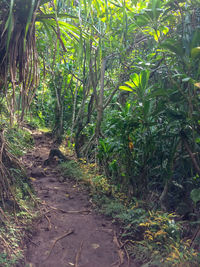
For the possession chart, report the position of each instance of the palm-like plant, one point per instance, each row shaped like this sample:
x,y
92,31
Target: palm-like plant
x,y
18,54
17,40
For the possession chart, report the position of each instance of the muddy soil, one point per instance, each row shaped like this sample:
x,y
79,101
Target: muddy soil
x,y
69,233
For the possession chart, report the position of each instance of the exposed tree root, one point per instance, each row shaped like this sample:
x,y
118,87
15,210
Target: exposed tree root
x,y
7,247
127,255
71,231
54,152
120,251
78,254
49,222
71,211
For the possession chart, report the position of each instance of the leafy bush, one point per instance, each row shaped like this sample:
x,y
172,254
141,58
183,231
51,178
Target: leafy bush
x,y
151,237
71,169
112,208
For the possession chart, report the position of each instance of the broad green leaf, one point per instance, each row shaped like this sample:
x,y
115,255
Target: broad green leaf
x,y
9,24
131,84
195,52
187,79
156,35
125,88
155,6
146,108
196,38
135,79
144,78
165,30
195,195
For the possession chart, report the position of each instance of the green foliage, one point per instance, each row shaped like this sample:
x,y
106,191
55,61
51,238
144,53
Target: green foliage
x,y
20,140
100,185
70,169
112,208
13,234
6,261
35,121
195,195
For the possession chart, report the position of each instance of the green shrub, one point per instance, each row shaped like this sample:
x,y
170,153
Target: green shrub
x,y
113,208
71,169
5,261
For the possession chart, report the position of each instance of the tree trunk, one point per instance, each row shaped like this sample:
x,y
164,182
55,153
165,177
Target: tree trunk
x,y
100,100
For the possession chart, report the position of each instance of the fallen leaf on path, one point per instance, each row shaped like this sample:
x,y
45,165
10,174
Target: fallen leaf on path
x,y
95,246
32,179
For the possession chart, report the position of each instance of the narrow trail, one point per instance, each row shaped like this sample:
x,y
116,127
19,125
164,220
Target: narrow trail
x,y
69,233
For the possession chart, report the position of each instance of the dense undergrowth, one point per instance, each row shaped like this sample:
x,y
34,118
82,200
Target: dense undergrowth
x,y
17,206
151,236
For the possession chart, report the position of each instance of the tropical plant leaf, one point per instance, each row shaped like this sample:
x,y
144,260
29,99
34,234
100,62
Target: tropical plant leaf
x,y
173,46
135,79
144,78
125,88
195,52
195,195
9,24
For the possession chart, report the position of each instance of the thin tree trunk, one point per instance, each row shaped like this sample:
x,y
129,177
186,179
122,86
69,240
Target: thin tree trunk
x,y
100,100
74,112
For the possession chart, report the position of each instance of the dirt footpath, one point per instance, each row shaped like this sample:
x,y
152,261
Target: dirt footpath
x,y
69,233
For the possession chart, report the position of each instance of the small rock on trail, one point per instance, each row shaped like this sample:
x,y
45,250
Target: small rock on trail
x,y
69,233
